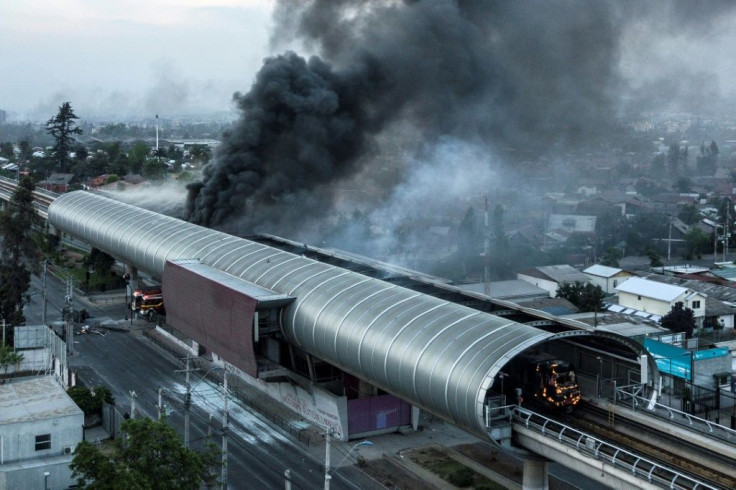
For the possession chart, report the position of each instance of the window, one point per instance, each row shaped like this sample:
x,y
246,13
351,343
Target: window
x,y
43,442
639,298
696,305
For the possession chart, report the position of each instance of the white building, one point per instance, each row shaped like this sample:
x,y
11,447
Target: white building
x,y
659,298
40,426
608,278
551,277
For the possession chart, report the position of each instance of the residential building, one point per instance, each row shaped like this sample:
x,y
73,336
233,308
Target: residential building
x,y
720,304
40,426
513,290
57,182
608,278
659,298
550,277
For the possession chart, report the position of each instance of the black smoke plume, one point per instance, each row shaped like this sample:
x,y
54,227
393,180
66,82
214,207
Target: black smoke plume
x,y
391,78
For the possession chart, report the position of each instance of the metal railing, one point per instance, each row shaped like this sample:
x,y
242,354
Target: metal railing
x,y
592,447
632,397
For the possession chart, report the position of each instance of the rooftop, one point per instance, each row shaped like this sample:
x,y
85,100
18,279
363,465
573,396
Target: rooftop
x,y
34,399
651,289
602,270
557,273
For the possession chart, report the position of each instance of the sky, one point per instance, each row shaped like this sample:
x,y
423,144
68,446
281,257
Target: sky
x,y
129,57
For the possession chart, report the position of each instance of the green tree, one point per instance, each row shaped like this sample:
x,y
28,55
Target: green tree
x,y
679,319
200,153
654,259
8,357
99,260
683,184
6,150
689,214
19,251
585,296
154,170
611,257
25,150
697,241
62,127
90,400
153,457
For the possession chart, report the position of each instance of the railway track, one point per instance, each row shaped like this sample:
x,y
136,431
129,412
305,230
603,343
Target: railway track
x,y
716,469
41,197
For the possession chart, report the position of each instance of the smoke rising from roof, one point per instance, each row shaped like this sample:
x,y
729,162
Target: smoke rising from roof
x,y
393,81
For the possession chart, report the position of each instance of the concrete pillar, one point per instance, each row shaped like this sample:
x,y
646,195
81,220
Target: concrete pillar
x,y
535,475
415,412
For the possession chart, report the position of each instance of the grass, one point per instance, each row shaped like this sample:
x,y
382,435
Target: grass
x,y
454,472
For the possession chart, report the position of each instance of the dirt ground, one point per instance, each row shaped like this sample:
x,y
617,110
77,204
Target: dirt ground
x,y
395,476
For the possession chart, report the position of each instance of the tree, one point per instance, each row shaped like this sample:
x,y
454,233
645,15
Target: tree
x,y
697,241
8,357
62,127
200,153
90,400
611,257
585,296
654,259
679,319
153,457
6,150
99,260
19,251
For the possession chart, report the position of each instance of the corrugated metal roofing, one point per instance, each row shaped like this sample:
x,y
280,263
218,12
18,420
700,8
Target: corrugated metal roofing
x,y
440,356
602,270
651,289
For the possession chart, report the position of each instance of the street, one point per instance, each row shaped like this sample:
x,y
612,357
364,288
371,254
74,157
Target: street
x,y
258,453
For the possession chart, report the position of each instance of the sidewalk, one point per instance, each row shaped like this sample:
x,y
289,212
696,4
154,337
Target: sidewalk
x,y
388,457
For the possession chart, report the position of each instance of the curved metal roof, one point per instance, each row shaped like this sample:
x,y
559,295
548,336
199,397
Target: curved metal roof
x,y
438,355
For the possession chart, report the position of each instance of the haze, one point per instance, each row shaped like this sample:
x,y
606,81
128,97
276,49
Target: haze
x,y
129,57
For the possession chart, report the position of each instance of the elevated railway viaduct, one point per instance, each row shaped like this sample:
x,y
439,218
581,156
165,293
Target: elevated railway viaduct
x,y
259,303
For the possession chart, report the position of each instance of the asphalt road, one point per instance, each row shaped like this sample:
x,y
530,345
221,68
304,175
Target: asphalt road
x,y
258,453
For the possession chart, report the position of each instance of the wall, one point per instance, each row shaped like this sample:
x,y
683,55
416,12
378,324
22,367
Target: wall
x,y
549,286
19,439
644,304
319,407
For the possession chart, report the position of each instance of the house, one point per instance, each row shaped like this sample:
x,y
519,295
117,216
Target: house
x,y
40,426
720,303
659,298
513,290
607,277
57,182
572,223
550,277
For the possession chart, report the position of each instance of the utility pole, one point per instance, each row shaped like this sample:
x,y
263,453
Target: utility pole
x,y
187,401
225,421
725,230
132,404
160,406
669,242
487,252
328,477
43,313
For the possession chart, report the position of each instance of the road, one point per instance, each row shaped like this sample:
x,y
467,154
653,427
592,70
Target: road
x,y
258,453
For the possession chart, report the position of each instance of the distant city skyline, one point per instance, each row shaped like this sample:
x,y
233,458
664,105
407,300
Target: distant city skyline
x,y
129,57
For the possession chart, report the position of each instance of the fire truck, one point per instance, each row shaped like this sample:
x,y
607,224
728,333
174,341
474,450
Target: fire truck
x,y
148,301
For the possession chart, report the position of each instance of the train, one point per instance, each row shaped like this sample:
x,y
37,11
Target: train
x,y
544,380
